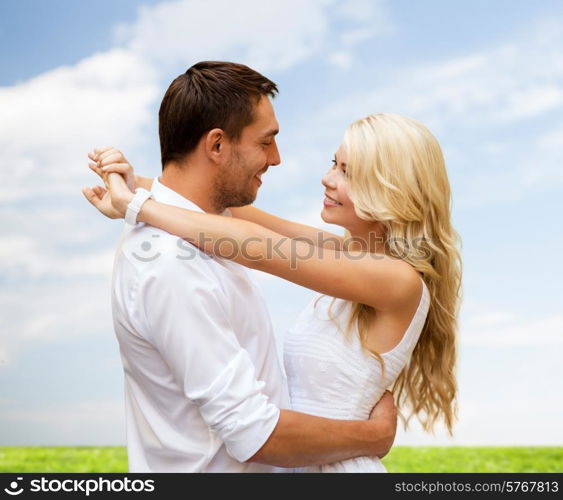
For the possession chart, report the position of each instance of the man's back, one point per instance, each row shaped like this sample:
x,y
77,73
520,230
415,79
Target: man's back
x,y
203,382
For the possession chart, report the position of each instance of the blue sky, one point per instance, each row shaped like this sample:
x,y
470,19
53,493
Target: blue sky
x,y
486,77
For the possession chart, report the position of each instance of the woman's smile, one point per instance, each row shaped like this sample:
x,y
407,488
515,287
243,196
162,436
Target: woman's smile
x,y
331,202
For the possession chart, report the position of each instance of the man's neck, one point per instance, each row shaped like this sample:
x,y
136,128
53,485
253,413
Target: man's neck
x,y
191,183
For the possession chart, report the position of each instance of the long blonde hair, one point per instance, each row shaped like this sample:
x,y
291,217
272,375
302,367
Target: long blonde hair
x,y
397,177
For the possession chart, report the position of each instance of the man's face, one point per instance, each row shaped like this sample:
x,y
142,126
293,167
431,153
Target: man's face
x,y
238,179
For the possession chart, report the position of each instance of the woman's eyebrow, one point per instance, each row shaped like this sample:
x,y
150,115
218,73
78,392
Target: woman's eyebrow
x,y
339,162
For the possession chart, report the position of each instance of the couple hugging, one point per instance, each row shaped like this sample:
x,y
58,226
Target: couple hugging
x,y
205,390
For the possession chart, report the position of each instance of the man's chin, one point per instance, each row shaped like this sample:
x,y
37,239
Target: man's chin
x,y
244,200
252,194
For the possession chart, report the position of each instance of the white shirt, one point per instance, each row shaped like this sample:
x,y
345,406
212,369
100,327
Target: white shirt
x,y
203,382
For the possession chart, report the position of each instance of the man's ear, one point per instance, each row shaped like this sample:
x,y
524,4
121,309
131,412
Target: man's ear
x,y
215,144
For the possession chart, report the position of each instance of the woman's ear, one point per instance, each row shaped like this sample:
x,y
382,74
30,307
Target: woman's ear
x,y
215,144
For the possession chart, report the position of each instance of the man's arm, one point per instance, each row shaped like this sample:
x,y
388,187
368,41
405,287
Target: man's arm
x,y
300,440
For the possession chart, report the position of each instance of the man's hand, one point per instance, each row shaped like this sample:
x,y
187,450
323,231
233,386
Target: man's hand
x,y
385,413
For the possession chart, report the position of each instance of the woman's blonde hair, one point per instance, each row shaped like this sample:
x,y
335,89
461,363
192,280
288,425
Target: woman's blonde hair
x,y
397,177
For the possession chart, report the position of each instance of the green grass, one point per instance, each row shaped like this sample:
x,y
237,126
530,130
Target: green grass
x,y
400,459
474,459
63,459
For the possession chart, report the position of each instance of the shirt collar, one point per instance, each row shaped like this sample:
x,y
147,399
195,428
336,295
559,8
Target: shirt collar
x,y
164,194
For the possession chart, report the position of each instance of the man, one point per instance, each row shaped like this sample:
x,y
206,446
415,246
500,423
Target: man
x,y
204,388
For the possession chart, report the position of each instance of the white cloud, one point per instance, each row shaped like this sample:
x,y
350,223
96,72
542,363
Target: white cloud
x,y
341,59
553,140
50,122
508,372
85,423
27,255
507,421
269,36
497,86
544,167
503,329
55,265
537,169
474,97
39,312
5,358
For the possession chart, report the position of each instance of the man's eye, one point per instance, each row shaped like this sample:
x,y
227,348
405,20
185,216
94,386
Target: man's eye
x,y
267,143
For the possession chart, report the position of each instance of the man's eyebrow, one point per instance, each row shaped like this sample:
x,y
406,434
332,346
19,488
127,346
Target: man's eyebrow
x,y
270,132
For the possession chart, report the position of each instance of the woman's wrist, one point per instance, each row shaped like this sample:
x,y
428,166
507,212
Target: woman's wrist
x,y
132,204
142,215
123,202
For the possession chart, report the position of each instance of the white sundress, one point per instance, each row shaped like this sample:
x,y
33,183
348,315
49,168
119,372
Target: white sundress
x,y
333,377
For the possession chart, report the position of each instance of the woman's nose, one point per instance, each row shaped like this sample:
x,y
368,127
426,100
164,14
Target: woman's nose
x,y
327,180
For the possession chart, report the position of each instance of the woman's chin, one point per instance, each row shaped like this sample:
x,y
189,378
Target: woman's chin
x,y
325,216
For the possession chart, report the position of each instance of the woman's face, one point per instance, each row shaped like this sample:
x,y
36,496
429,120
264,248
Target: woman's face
x,y
338,208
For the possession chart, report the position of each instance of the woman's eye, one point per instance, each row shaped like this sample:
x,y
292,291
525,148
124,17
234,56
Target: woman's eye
x,y
333,163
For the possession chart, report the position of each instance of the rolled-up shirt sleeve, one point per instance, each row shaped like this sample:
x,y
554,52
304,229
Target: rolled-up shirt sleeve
x,y
184,310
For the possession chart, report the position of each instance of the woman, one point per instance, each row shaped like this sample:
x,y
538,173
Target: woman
x,y
388,290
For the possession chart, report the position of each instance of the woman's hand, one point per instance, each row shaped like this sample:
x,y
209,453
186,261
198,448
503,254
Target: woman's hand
x,y
119,180
111,201
101,199
110,159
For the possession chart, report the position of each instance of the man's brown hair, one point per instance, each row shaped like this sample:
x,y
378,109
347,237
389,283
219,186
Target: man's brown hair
x,y
210,94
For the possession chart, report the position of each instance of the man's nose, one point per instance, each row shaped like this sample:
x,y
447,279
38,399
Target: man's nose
x,y
274,158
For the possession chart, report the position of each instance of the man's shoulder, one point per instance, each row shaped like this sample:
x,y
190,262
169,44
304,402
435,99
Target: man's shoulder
x,y
150,249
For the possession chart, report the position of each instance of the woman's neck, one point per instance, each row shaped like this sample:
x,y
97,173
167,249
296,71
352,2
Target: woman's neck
x,y
369,239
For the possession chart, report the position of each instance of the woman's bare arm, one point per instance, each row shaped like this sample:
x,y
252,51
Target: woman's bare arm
x,y
376,280
144,182
373,279
312,235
